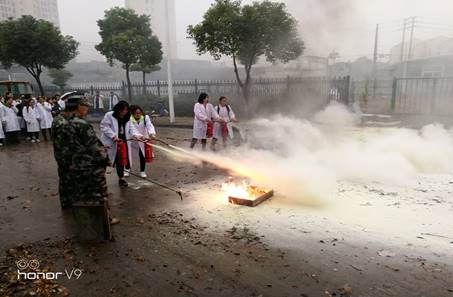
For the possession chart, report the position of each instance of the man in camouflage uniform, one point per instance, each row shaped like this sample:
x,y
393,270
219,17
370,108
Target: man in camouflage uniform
x,y
89,158
80,155
61,137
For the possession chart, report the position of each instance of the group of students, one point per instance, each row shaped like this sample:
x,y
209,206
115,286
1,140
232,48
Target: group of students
x,y
212,122
130,125
27,116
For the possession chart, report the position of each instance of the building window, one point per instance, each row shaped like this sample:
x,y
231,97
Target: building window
x,y
433,71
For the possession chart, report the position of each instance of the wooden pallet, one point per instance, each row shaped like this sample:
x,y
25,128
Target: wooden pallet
x,y
251,203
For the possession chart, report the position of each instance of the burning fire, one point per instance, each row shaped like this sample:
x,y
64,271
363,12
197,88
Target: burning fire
x,y
242,190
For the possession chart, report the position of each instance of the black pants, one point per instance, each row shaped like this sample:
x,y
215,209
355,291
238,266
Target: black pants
x,y
120,171
12,137
33,135
203,143
142,161
45,132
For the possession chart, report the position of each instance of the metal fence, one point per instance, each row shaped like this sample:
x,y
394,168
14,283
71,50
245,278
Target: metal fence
x,y
279,93
433,96
260,87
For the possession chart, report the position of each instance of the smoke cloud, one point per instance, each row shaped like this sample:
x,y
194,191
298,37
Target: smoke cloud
x,y
303,161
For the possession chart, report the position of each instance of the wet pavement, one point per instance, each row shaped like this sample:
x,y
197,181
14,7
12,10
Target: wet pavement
x,y
201,247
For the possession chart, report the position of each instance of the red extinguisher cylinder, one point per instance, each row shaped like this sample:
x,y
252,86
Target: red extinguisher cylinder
x,y
224,130
121,154
210,130
149,155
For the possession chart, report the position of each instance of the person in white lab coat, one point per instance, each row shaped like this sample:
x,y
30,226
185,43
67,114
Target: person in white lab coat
x,y
61,102
45,112
145,128
32,118
204,115
2,133
10,121
98,102
223,130
113,100
116,127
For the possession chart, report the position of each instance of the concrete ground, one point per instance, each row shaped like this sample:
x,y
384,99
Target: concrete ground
x,y
373,241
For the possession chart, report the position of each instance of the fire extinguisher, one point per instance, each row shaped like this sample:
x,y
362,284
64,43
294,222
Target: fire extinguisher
x,y
210,130
149,155
121,154
224,130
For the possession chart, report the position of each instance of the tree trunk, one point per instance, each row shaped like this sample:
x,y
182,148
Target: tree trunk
x,y
144,83
246,92
38,81
36,73
128,81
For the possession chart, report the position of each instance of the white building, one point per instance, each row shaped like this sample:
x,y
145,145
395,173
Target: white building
x,y
40,9
156,9
423,49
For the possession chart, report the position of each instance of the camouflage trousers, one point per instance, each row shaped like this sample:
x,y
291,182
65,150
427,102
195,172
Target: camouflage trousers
x,y
65,186
91,184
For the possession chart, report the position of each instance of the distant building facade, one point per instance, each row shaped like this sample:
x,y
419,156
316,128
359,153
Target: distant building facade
x,y
429,58
157,10
40,9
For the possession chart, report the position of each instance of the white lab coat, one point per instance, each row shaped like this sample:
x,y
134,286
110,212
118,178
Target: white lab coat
x,y
10,118
45,113
109,129
227,117
2,133
101,101
202,116
31,116
62,104
113,101
144,128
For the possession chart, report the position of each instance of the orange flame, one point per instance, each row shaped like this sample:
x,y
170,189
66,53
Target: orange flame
x,y
242,190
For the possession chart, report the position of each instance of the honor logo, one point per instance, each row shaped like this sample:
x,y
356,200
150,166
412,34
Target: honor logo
x,y
33,275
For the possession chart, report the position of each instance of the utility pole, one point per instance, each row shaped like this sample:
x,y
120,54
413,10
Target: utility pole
x,y
171,104
375,59
411,40
403,41
410,20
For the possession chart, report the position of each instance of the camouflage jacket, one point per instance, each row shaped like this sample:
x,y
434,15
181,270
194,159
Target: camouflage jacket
x,y
88,153
62,137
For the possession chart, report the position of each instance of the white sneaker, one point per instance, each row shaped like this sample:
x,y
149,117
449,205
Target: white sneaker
x,y
143,174
1,144
33,141
37,140
126,173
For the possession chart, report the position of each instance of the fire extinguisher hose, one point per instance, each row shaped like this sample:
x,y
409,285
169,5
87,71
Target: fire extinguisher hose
x,y
158,184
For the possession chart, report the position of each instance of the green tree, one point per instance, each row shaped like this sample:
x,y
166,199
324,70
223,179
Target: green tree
x,y
125,36
60,77
35,44
245,33
151,56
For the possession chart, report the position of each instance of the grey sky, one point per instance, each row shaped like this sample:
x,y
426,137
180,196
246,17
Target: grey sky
x,y
344,25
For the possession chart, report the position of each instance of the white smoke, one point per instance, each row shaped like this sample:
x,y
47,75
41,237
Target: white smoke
x,y
304,161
